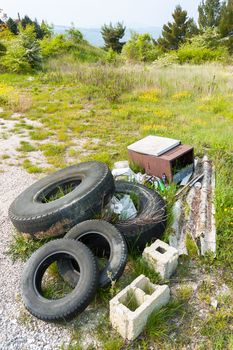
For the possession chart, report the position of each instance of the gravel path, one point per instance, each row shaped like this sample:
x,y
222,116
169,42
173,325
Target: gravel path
x,y
18,329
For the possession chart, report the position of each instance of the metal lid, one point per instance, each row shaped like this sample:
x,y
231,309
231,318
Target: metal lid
x,y
153,145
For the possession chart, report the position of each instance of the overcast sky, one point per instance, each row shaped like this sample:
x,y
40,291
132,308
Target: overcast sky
x,y
94,13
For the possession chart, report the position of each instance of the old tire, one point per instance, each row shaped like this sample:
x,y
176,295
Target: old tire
x,y
150,223
92,185
74,302
105,241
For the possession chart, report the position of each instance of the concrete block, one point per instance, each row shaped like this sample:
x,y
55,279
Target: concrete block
x,y
130,309
162,257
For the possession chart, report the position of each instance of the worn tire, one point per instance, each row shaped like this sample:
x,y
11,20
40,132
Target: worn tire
x,y
103,239
95,186
150,223
74,302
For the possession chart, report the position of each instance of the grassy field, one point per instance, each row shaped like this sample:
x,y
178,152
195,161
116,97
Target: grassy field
x,y
91,111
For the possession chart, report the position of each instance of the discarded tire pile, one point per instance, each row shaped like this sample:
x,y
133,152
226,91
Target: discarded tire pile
x,y
65,203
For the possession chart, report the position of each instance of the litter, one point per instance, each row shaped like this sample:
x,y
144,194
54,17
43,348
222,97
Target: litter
x,y
163,157
124,207
185,179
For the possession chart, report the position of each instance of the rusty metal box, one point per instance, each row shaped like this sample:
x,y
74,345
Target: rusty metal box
x,y
176,163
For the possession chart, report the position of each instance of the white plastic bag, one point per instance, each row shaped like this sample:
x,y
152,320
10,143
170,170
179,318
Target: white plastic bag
x,y
124,207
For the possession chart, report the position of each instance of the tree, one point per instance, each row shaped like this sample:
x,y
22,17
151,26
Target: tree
x,y
209,13
176,33
12,25
38,30
226,24
31,45
140,47
74,35
46,29
25,21
112,35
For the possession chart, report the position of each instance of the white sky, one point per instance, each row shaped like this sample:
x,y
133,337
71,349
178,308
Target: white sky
x,y
94,13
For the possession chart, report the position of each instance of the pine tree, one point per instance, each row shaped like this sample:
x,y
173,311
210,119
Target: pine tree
x,y
38,30
112,35
31,45
226,24
177,32
226,21
12,25
209,13
25,21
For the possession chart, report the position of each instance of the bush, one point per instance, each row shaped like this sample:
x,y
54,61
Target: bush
x,y
74,35
2,49
15,59
31,45
210,39
23,53
168,59
140,48
55,46
206,47
188,53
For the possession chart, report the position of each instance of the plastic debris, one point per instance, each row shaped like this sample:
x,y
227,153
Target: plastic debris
x,y
122,172
124,207
186,179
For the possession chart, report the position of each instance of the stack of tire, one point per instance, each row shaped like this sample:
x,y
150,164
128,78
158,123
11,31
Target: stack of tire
x,y
91,187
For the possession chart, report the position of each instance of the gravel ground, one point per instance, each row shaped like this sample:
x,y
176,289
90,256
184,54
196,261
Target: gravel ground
x,y
18,329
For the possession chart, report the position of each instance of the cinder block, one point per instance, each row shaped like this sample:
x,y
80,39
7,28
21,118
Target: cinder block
x,y
162,257
130,309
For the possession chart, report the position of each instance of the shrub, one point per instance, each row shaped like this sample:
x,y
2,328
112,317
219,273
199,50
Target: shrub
x,y
2,49
168,59
55,46
140,48
15,59
190,54
31,45
74,35
203,48
23,53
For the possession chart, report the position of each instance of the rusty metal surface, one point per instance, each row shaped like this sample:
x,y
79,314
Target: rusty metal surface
x,y
164,164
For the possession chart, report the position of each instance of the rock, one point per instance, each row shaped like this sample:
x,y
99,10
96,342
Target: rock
x,y
214,303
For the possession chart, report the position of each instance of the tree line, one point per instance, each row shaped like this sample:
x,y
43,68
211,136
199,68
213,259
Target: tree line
x,y
212,14
26,44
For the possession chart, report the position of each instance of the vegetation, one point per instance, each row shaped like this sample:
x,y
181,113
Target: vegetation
x,y
112,36
177,32
209,14
140,48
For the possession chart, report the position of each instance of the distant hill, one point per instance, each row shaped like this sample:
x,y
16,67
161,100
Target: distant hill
x,y
93,35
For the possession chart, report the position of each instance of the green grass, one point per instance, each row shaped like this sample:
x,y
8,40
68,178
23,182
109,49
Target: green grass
x,y
26,147
22,247
31,168
131,302
39,134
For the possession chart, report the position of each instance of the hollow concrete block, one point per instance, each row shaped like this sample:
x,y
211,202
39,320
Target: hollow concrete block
x,y
129,320
162,257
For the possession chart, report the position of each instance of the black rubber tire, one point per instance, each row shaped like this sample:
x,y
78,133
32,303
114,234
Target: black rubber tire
x,y
76,301
102,238
150,222
30,215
